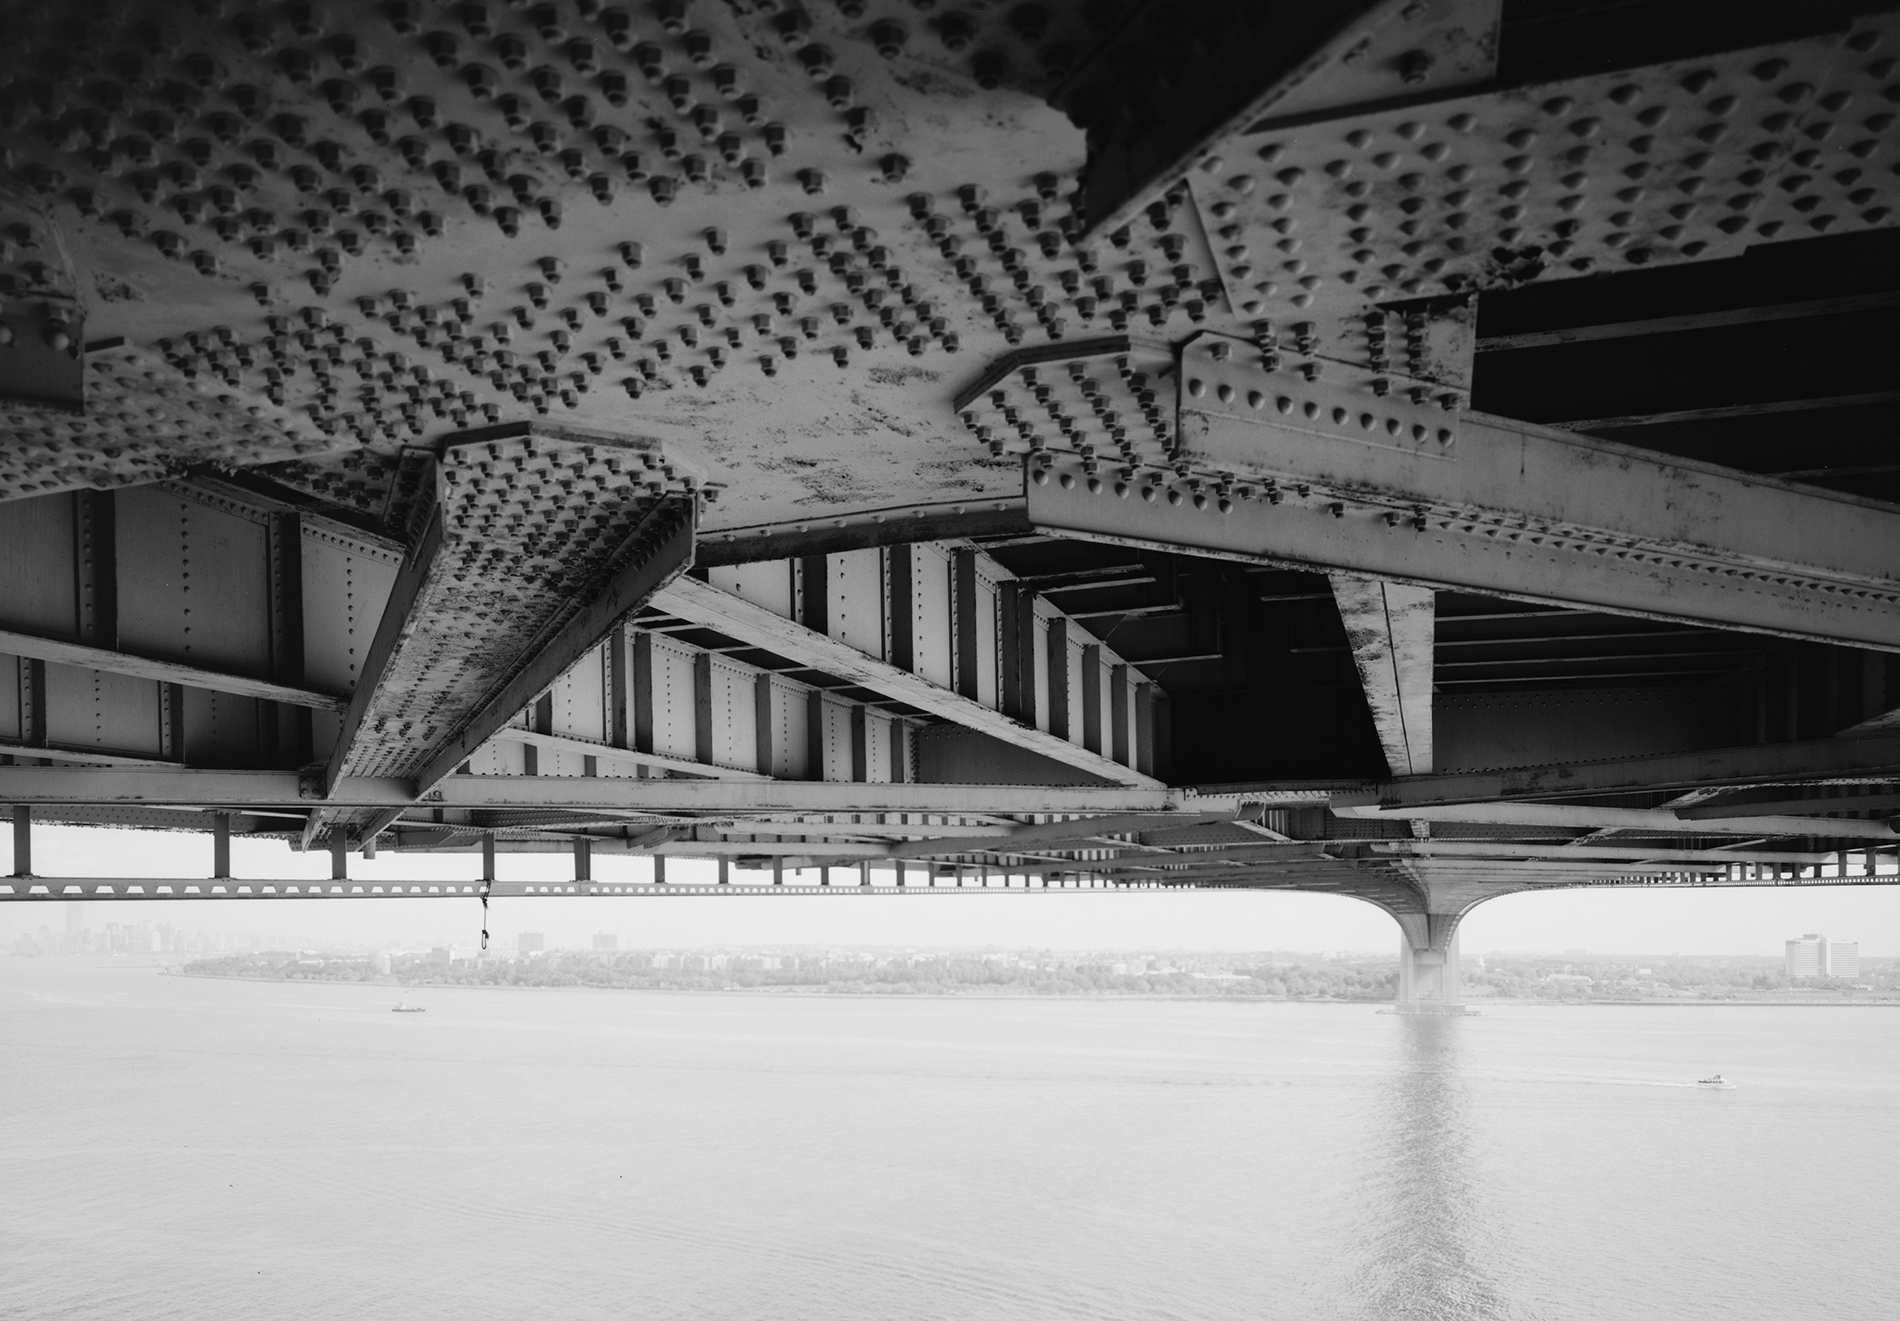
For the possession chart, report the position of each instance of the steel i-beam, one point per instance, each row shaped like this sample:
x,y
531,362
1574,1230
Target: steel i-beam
x,y
1327,473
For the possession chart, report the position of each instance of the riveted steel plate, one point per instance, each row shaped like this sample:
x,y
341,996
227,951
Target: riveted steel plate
x,y
518,554
352,226
1110,400
1676,162
1316,405
1392,529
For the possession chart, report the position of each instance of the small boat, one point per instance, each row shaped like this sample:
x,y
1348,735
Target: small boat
x,y
1715,1080
406,1008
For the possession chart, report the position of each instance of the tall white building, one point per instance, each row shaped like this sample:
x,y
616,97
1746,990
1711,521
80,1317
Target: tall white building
x,y
1815,955
1843,958
1807,957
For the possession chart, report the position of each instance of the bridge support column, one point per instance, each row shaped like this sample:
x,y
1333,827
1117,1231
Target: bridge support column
x,y
22,840
1428,964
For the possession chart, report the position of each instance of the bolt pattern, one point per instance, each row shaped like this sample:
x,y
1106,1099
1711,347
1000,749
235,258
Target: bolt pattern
x,y
1323,399
532,527
1394,393
319,150
394,221
361,480
143,422
1210,495
1677,162
1110,401
31,264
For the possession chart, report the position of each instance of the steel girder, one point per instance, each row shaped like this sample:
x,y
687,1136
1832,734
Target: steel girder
x,y
41,785
1391,628
759,627
506,588
1496,506
1871,759
1647,820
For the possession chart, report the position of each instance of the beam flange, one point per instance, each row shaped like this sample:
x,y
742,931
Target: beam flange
x,y
53,752
748,797
1453,849
1651,820
1872,759
624,756
1885,722
1043,835
1380,486
1390,627
1888,802
654,553
398,622
287,789
61,652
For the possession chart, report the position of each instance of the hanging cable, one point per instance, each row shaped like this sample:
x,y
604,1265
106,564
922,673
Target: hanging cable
x,y
488,880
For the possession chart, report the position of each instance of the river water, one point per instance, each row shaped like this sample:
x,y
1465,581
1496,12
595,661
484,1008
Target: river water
x,y
185,1148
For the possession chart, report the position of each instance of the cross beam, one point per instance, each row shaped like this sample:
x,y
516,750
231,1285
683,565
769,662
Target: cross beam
x,y
1490,505
1053,834
109,661
757,626
1873,758
463,646
1391,628
1648,820
53,786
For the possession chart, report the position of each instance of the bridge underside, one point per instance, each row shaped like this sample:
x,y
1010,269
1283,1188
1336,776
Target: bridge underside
x,y
1418,451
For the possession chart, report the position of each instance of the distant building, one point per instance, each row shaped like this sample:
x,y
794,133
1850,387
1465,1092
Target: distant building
x,y
1807,957
531,942
1843,958
604,942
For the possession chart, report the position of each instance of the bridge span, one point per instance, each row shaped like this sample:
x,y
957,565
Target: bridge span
x,y
1419,450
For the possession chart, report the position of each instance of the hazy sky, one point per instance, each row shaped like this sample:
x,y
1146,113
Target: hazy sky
x,y
1607,920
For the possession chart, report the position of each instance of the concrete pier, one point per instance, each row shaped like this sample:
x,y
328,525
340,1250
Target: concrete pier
x,y
1429,981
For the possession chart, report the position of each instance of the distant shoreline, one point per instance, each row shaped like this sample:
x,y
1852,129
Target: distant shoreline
x,y
806,992
1477,1003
